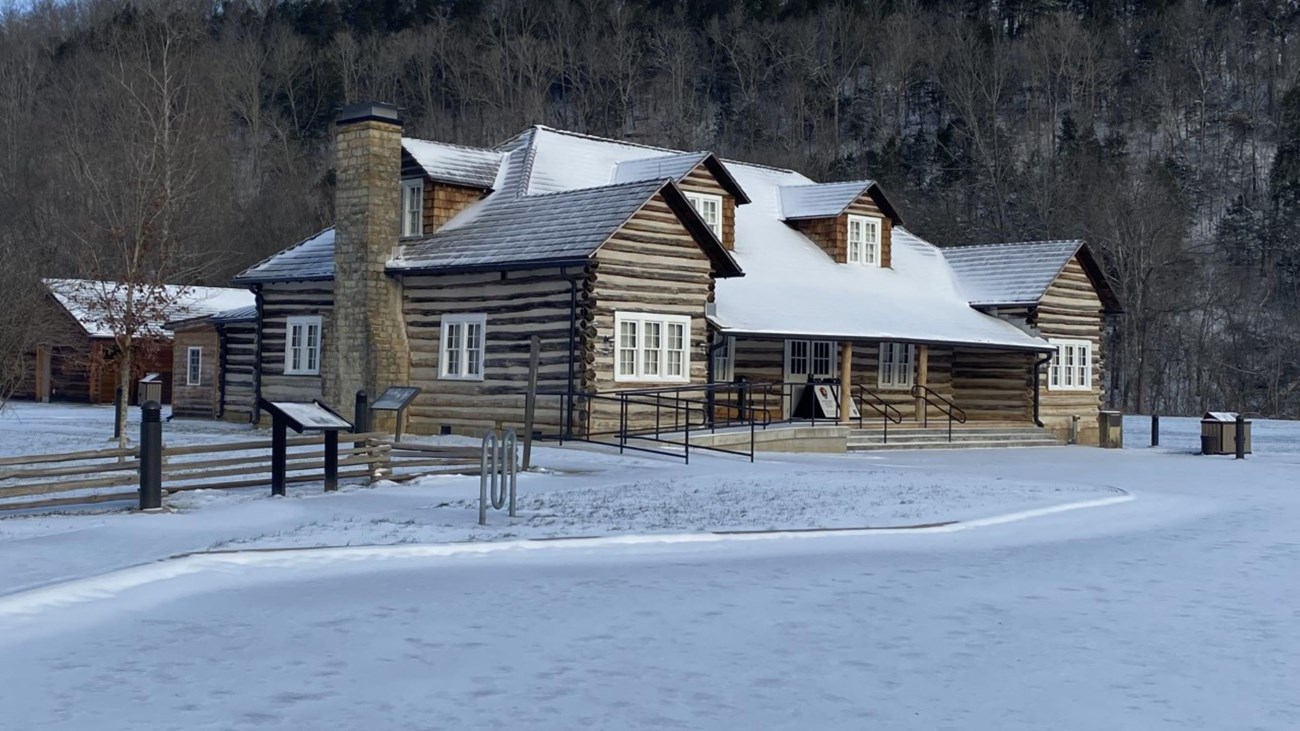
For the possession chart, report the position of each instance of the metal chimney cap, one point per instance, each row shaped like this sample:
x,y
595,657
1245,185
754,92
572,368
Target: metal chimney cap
x,y
369,111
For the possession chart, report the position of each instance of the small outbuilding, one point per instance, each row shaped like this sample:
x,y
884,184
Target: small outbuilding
x,y
213,362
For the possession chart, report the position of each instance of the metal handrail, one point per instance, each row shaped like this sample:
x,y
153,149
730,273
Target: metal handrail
x,y
954,412
881,406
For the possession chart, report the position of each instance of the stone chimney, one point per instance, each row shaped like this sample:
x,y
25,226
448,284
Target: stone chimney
x,y
366,339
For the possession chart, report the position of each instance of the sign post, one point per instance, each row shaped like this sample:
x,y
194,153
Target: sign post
x,y
396,398
303,416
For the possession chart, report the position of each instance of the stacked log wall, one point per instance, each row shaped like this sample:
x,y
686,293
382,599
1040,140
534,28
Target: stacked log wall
x,y
1071,309
281,301
238,372
517,306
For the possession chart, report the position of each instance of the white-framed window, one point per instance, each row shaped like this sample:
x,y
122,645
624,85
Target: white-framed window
x,y
864,240
194,365
1071,369
710,209
413,207
652,347
724,360
463,338
302,345
805,358
897,361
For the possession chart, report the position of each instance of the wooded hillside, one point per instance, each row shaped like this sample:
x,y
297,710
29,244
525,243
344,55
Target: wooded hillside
x,y
1166,133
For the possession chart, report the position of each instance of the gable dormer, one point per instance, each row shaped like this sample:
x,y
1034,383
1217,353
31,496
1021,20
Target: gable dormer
x,y
852,221
440,180
705,181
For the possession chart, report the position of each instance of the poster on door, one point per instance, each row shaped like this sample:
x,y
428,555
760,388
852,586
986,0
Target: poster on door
x,y
828,399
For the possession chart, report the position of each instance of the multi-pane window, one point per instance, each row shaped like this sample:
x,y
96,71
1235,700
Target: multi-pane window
x,y
412,207
652,347
864,240
1071,369
302,346
724,360
710,209
814,358
462,346
194,366
896,365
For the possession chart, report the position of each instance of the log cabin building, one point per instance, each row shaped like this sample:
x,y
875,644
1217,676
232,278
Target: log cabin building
x,y
213,359
641,267
76,360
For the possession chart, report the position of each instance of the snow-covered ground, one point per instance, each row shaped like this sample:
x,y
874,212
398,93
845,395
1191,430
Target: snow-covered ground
x,y
1171,610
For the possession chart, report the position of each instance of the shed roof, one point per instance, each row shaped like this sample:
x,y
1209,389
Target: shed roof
x,y
239,314
311,259
1019,273
565,227
94,304
475,167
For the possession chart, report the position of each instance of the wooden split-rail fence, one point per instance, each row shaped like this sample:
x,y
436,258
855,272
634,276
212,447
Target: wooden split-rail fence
x,y
43,481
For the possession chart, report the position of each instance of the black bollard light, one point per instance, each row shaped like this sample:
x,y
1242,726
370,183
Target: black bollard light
x,y
279,452
1241,436
331,460
151,456
1155,430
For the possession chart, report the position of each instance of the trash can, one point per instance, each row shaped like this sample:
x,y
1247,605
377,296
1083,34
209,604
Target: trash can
x,y
1110,430
1219,433
149,388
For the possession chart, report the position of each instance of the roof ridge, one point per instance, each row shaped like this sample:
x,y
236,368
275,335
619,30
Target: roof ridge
x,y
611,140
865,182
1014,243
658,183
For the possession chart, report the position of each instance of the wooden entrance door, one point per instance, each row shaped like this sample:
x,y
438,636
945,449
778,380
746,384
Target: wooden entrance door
x,y
805,358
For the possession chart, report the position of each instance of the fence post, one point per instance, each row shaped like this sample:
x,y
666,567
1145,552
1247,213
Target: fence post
x,y
150,456
331,460
1155,430
530,400
117,413
1241,436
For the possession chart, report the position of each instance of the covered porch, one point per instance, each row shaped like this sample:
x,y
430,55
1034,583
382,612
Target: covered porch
x,y
866,383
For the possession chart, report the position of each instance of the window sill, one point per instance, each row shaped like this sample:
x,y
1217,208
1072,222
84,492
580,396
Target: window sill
x,y
675,381
301,373
895,389
1069,389
445,377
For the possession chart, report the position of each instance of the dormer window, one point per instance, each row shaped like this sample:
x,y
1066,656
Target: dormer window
x,y
710,209
864,240
413,207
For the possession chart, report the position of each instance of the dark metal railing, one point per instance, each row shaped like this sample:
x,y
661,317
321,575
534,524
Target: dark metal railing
x,y
933,398
888,413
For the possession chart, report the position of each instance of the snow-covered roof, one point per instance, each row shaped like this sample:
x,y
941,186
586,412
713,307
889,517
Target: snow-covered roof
x,y
820,200
534,230
93,303
675,166
457,164
1009,274
791,287
239,314
565,226
311,259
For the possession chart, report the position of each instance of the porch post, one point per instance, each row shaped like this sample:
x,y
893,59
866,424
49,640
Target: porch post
x,y
846,382
922,378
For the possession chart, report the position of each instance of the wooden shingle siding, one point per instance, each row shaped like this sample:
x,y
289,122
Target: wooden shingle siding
x,y
651,265
518,305
442,201
200,400
1071,309
700,180
279,302
239,397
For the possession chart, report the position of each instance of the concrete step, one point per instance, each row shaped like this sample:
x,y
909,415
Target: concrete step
x,y
956,436
892,446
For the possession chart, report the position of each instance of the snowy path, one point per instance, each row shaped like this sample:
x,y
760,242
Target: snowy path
x,y
1174,611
